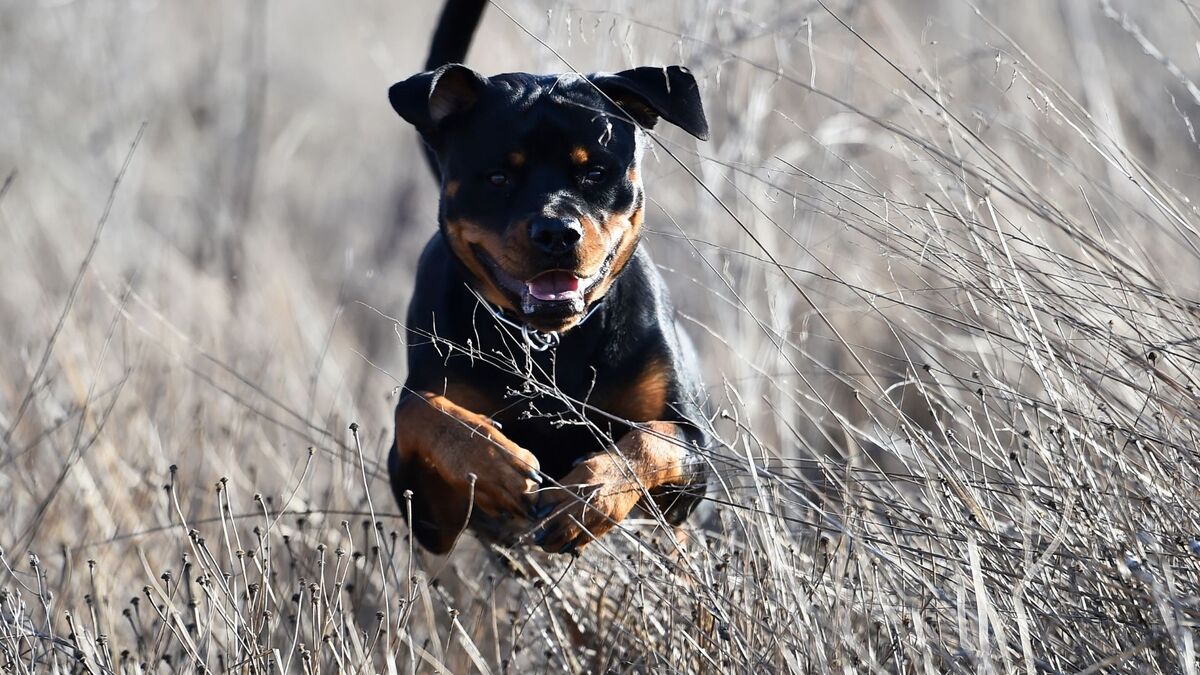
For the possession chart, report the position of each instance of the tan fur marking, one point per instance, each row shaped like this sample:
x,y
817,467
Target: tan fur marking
x,y
645,398
612,483
451,188
593,249
579,155
626,227
517,159
656,454
462,235
444,443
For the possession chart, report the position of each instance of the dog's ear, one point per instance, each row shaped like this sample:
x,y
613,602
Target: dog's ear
x,y
427,100
648,93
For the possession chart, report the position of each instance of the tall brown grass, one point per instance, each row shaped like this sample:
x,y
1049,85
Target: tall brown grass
x,y
941,260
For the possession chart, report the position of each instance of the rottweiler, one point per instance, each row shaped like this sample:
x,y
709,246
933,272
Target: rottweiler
x,y
549,389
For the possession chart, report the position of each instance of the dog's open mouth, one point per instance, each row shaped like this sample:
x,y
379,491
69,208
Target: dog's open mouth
x,y
554,295
554,286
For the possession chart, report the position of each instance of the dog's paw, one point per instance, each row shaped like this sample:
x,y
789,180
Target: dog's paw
x,y
596,496
484,469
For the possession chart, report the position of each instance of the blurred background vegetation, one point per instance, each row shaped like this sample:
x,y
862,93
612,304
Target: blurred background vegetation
x,y
922,224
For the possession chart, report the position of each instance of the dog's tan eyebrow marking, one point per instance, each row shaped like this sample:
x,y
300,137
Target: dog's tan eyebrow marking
x,y
632,174
516,158
579,155
451,188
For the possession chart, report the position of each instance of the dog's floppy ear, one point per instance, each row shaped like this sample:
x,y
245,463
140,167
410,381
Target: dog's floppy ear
x,y
428,99
648,93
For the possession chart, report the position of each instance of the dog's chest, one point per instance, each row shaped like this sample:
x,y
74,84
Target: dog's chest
x,y
561,420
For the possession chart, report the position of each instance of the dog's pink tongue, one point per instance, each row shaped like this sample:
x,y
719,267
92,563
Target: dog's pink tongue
x,y
553,285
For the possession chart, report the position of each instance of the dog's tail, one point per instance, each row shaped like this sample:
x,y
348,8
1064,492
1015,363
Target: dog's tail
x,y
454,31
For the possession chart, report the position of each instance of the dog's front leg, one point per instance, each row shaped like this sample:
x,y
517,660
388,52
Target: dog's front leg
x,y
456,462
654,459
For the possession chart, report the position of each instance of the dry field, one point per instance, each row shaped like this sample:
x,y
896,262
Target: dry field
x,y
941,258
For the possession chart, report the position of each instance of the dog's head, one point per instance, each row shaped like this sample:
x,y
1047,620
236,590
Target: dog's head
x,y
541,197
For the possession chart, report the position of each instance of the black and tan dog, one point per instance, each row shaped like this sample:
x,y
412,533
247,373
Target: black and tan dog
x,y
536,274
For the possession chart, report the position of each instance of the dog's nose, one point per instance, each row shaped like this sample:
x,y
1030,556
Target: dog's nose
x,y
555,235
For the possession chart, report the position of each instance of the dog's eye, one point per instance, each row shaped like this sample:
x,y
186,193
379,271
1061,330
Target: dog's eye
x,y
498,178
594,174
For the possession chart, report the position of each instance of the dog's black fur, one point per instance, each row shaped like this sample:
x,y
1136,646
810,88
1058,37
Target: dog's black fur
x,y
540,172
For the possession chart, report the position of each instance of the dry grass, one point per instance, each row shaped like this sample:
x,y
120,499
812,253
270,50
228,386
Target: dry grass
x,y
941,259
